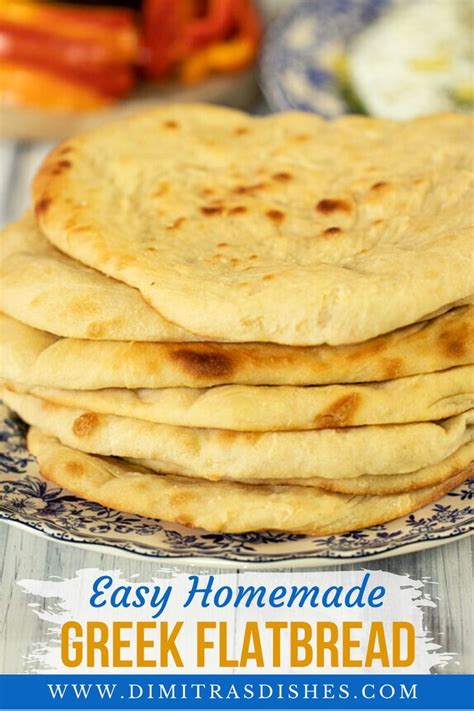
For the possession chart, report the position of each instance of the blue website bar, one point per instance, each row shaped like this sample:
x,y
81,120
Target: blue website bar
x,y
259,691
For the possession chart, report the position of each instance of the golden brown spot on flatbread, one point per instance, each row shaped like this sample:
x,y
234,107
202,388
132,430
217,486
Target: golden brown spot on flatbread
x,y
85,424
42,206
275,215
211,209
380,185
64,150
207,191
170,124
378,222
253,257
74,468
222,244
282,177
371,347
46,405
237,210
268,277
248,189
176,223
453,342
302,137
162,189
60,167
332,231
392,368
340,413
330,205
204,364
241,130
230,436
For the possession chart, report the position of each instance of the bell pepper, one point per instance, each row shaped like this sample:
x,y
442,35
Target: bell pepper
x,y
219,57
31,45
86,53
180,34
113,29
23,85
248,21
227,54
217,24
163,23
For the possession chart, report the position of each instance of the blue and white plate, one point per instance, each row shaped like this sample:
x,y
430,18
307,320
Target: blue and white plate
x,y
31,503
302,49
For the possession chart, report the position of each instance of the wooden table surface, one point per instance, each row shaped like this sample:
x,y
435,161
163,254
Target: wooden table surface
x,y
29,556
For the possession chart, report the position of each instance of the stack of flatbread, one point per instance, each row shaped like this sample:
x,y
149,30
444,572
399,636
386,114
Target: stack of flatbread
x,y
243,324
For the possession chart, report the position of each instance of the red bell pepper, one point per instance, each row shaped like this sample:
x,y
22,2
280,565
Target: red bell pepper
x,y
217,24
163,23
41,45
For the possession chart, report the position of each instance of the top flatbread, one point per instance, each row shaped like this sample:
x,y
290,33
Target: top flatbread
x,y
286,229
48,290
45,289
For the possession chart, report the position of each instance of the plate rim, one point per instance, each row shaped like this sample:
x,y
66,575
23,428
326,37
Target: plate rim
x,y
215,561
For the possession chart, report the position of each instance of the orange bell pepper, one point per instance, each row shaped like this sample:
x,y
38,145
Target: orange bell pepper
x,y
23,85
219,57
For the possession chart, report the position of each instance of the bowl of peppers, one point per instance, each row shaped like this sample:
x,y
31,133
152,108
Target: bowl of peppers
x,y
86,58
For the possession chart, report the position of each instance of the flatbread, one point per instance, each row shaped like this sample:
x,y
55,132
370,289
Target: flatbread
x,y
223,454
220,506
462,459
419,398
34,358
285,229
48,290
45,289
